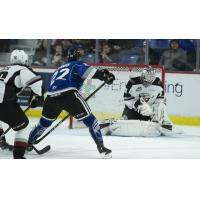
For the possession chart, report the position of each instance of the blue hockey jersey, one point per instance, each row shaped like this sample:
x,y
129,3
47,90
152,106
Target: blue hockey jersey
x,y
70,76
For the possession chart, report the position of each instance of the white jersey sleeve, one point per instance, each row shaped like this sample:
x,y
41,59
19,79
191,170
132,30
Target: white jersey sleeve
x,y
26,76
14,78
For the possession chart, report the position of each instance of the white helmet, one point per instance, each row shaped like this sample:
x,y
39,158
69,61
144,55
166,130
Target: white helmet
x,y
148,75
19,57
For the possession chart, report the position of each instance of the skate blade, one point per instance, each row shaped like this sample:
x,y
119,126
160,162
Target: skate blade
x,y
105,156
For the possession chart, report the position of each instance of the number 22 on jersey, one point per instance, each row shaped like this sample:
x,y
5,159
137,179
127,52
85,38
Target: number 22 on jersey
x,y
60,75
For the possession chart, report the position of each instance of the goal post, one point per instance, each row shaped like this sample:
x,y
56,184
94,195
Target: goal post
x,y
108,102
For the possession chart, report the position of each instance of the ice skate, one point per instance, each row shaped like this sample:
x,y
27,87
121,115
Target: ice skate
x,y
104,152
4,145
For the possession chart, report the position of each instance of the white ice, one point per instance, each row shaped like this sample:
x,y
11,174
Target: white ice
x,y
77,144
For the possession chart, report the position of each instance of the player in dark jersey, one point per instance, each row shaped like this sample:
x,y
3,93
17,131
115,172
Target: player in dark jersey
x,y
63,94
144,99
13,78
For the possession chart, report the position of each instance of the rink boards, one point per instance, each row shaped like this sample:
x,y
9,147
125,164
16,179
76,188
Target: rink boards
x,y
181,90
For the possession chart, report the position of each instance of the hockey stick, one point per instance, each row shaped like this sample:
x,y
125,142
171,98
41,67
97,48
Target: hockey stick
x,y
29,83
42,151
67,116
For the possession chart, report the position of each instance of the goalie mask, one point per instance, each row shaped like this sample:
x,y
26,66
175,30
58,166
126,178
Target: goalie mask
x,y
148,75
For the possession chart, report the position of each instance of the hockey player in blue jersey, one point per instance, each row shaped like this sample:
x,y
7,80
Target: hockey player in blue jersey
x,y
63,94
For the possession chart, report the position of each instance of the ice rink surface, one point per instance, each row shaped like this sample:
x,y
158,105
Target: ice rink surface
x,y
77,144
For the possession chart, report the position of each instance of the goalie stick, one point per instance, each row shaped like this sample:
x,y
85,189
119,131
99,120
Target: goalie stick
x,y
67,116
32,81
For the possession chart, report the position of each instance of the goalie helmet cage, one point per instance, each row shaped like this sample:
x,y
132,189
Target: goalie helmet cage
x,y
122,73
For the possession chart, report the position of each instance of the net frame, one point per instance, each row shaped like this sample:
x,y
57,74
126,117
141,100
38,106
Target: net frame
x,y
131,67
160,69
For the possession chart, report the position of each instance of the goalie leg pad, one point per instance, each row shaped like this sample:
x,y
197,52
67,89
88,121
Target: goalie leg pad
x,y
134,128
160,116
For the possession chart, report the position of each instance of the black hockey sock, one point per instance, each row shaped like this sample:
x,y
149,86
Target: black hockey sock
x,y
18,152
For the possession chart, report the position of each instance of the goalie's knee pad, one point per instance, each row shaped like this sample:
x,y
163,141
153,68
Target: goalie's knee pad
x,y
94,128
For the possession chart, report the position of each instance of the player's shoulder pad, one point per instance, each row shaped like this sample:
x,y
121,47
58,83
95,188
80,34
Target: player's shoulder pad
x,y
19,67
30,69
135,80
81,63
22,67
157,82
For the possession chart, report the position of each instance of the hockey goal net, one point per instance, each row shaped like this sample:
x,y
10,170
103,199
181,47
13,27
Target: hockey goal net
x,y
108,102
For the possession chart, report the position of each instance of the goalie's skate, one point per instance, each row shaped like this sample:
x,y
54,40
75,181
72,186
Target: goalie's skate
x,y
167,126
167,129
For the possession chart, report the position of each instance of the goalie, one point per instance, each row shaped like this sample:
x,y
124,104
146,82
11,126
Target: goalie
x,y
145,110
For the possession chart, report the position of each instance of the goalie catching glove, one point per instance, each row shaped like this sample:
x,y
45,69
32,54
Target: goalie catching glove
x,y
143,108
104,75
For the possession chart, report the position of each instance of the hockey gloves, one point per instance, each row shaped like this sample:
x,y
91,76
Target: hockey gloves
x,y
143,108
104,75
109,79
36,101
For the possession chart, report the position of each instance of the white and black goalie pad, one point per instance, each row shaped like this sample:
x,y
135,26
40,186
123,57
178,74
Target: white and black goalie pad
x,y
130,128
